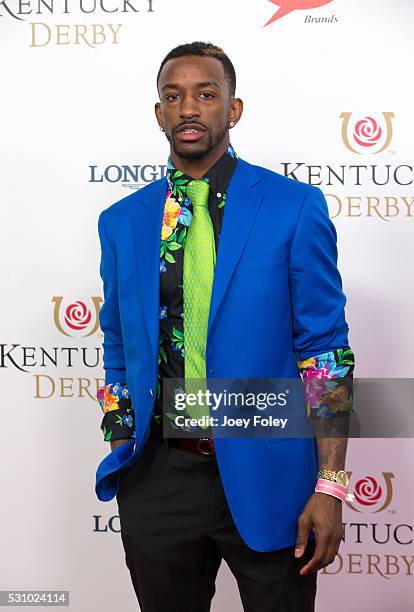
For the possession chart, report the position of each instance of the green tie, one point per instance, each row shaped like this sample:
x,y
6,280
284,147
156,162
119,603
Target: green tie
x,y
198,273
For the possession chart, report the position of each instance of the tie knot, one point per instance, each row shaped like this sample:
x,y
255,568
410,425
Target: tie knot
x,y
197,191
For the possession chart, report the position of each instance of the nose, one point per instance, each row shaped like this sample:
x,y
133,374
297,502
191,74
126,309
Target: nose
x,y
189,107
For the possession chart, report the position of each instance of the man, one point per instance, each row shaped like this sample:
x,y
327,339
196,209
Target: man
x,y
221,269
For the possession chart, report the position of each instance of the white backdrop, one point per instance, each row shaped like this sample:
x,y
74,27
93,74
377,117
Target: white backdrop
x,y
72,116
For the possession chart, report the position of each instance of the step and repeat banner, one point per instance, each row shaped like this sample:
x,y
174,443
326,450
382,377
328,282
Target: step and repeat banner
x,y
328,95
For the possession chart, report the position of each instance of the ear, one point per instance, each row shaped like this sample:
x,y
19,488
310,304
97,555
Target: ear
x,y
236,110
159,115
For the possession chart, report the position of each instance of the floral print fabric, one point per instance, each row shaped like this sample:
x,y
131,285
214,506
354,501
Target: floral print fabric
x,y
327,380
119,419
178,212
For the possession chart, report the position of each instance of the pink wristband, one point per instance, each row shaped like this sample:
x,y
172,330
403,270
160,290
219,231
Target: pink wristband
x,y
333,488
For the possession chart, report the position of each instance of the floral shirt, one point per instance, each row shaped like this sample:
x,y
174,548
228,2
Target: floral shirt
x,y
118,420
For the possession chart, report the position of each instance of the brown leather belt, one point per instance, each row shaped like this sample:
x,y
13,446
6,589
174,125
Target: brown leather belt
x,y
198,446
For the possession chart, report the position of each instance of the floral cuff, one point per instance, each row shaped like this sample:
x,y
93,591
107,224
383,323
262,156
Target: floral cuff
x,y
119,417
328,383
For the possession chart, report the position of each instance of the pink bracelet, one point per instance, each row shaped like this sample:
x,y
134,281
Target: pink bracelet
x,y
334,488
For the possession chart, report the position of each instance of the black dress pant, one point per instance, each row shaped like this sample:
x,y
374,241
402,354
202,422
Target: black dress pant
x,y
176,528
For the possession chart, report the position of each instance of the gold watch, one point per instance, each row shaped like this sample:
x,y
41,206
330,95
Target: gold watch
x,y
341,477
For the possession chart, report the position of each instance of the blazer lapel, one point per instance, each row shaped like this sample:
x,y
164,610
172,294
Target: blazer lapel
x,y
242,204
147,223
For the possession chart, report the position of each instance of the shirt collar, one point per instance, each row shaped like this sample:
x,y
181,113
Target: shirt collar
x,y
218,176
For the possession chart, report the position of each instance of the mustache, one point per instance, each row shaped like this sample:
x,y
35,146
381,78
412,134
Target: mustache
x,y
191,123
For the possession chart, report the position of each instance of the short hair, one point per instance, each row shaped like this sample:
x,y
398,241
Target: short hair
x,y
204,50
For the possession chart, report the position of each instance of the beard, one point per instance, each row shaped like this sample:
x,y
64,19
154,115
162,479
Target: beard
x,y
203,151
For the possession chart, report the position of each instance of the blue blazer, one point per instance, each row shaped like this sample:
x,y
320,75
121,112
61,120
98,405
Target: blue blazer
x,y
277,297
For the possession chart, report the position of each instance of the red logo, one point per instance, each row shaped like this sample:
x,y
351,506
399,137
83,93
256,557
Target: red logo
x,y
367,491
370,495
367,132
76,316
287,6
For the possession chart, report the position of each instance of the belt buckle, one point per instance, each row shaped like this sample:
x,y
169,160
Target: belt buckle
x,y
210,444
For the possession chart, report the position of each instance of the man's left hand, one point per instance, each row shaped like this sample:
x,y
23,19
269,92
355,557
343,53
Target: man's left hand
x,y
322,514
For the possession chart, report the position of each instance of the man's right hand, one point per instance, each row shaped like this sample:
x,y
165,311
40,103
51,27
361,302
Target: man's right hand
x,y
115,443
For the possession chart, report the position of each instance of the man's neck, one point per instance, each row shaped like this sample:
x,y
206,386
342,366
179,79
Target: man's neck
x,y
198,168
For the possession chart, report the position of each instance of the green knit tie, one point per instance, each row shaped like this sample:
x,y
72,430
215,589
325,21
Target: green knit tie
x,y
198,273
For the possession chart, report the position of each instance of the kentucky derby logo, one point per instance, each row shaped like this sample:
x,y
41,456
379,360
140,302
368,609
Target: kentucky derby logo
x,y
370,495
77,317
367,134
287,6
